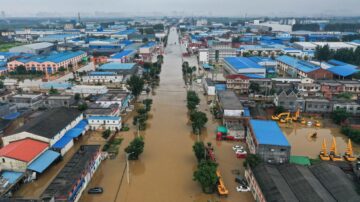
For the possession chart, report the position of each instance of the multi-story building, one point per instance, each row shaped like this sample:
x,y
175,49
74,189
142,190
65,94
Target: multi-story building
x,y
317,105
244,66
266,139
238,83
102,77
330,88
348,105
50,63
112,123
218,51
54,101
301,69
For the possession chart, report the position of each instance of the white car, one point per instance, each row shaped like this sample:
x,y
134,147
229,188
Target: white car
x,y
237,147
240,151
242,188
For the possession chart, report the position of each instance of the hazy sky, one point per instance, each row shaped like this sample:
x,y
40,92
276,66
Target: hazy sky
x,y
187,7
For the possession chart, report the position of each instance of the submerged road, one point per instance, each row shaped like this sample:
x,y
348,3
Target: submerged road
x,y
164,172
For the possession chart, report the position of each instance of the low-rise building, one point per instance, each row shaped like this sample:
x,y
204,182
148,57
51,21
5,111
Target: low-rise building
x,y
33,101
290,99
124,56
35,48
54,101
232,113
266,139
17,155
209,86
102,77
349,106
317,105
74,177
88,90
112,123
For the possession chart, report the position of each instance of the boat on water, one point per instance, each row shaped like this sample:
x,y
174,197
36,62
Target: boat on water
x,y
349,154
323,153
334,156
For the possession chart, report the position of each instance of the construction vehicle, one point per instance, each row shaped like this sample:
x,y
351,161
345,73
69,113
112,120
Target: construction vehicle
x,y
296,116
334,156
317,123
349,155
279,116
323,153
221,187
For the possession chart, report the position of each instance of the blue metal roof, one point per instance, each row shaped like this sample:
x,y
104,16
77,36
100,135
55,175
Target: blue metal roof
x,y
126,42
12,116
207,66
43,161
127,32
62,142
345,70
122,54
337,63
82,124
220,87
254,76
11,176
54,57
117,66
301,65
56,85
242,63
74,132
96,73
149,44
259,59
268,132
113,118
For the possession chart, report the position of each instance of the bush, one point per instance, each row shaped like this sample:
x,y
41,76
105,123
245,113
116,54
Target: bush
x,y
135,148
206,175
106,134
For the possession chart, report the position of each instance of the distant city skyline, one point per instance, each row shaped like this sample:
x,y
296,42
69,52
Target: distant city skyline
x,y
230,8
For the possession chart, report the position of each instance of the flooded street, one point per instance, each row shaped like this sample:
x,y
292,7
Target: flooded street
x,y
164,172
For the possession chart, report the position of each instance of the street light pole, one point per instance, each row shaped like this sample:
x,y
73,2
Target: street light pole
x,y
127,166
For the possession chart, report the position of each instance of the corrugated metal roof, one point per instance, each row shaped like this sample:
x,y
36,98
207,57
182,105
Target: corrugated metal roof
x,y
117,66
102,73
11,176
268,132
62,142
23,150
241,63
123,54
104,118
345,70
43,161
301,65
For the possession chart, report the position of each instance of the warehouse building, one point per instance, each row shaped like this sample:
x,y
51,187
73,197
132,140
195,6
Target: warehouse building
x,y
49,127
50,63
124,56
290,182
72,180
244,66
35,48
266,139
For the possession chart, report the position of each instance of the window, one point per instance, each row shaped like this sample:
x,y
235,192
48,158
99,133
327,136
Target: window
x,y
272,150
3,160
282,150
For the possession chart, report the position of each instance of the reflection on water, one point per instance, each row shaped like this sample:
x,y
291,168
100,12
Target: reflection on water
x,y
303,144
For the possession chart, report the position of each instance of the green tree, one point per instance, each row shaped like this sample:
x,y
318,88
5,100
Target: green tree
x,y
82,107
206,175
339,115
77,97
53,91
147,103
61,69
135,148
254,87
106,133
1,84
252,160
192,100
199,150
279,109
345,95
136,85
20,69
198,121
323,53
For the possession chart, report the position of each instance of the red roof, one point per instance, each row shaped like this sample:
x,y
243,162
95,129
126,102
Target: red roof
x,y
23,150
235,76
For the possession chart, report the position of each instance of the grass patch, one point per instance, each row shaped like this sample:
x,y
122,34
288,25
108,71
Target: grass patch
x,y
4,47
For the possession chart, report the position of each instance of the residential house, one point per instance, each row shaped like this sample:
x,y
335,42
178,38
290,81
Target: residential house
x,y
112,123
54,101
318,105
291,100
238,83
33,101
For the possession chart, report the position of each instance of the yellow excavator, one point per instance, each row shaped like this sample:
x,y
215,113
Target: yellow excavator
x,y
323,153
349,155
296,116
280,116
334,156
286,117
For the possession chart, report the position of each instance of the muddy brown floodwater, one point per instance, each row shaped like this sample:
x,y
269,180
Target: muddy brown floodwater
x,y
303,145
165,169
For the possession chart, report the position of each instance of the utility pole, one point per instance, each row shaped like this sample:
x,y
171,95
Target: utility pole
x,y
127,166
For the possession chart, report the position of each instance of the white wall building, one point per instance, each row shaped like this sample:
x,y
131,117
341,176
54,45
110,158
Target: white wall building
x,y
87,89
105,122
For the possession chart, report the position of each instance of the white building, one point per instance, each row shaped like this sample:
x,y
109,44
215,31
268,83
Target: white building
x,y
204,56
209,86
311,46
102,77
87,89
105,122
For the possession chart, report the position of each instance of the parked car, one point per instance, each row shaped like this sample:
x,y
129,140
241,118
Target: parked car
x,y
241,180
237,147
242,188
96,190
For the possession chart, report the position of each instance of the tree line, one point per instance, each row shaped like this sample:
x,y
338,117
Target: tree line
x,y
345,55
